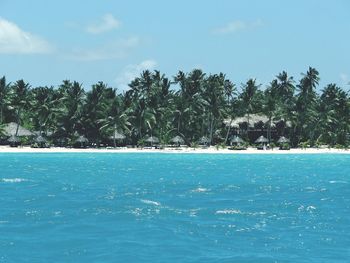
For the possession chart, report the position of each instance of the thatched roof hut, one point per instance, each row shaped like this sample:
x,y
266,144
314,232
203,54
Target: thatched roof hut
x,y
10,129
118,136
152,140
14,141
82,139
254,119
261,139
283,139
236,139
177,140
204,140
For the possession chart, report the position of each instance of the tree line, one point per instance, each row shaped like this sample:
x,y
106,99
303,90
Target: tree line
x,y
190,105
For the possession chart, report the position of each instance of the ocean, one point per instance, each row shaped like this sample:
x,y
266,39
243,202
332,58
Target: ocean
x,y
153,207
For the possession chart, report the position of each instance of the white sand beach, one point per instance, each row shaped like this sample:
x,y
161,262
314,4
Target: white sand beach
x,y
211,150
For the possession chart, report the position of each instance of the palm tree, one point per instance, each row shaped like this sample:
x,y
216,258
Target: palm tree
x,y
192,104
270,105
285,98
19,100
231,105
72,99
305,105
285,86
43,107
116,119
94,110
214,97
334,124
248,96
4,92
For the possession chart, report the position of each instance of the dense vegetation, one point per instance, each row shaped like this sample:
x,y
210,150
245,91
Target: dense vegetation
x,y
191,105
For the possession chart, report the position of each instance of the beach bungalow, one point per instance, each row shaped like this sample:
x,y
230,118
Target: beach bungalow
x,y
256,124
13,132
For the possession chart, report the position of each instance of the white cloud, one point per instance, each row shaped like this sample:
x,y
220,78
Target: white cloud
x,y
115,50
13,40
238,25
345,79
130,72
108,23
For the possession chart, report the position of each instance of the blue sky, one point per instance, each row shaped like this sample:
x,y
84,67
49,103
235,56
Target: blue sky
x,y
45,42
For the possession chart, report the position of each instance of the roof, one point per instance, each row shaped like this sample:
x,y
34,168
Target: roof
x,y
10,129
253,119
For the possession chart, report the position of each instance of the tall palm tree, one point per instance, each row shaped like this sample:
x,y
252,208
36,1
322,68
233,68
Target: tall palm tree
x,y
192,104
305,104
19,100
231,105
214,96
334,124
117,119
94,110
270,105
285,99
72,100
43,107
248,96
4,92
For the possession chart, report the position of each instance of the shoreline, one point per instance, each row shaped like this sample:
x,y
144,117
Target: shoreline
x,y
211,150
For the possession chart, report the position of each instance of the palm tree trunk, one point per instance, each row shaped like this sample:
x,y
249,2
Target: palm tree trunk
x,y
114,142
18,122
211,128
269,130
248,122
228,131
140,128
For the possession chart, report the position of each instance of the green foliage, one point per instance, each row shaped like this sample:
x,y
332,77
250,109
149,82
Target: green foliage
x,y
220,146
141,142
193,105
194,145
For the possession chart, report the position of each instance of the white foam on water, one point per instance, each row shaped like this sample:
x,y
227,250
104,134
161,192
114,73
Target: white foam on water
x,y
150,202
257,213
338,182
310,208
200,190
13,180
228,212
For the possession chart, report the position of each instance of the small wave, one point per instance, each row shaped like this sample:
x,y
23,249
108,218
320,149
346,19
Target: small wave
x,y
150,202
200,190
228,212
310,208
13,180
338,182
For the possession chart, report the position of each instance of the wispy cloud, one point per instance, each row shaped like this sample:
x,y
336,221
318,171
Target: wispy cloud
x,y
108,23
345,79
236,26
115,50
130,72
13,40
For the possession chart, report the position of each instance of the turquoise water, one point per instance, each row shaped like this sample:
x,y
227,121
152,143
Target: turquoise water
x,y
174,208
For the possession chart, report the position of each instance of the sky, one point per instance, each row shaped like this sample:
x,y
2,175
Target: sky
x,y
45,42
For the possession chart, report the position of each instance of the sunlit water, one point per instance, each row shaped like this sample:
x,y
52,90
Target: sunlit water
x,y
174,208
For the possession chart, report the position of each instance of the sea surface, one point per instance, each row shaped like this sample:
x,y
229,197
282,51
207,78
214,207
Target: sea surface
x,y
147,207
